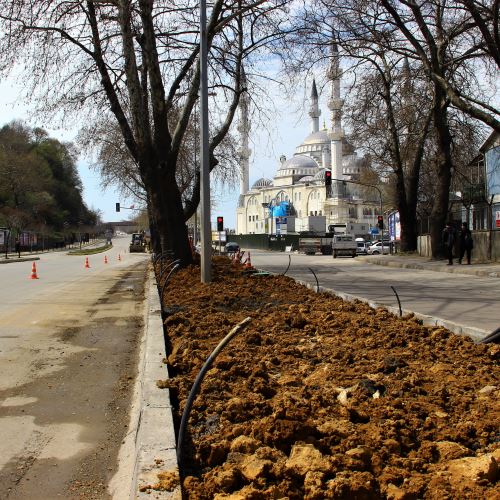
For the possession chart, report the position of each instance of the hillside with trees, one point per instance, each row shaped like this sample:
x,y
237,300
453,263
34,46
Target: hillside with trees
x,y
40,188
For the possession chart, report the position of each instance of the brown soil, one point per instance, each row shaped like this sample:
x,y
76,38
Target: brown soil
x,y
322,398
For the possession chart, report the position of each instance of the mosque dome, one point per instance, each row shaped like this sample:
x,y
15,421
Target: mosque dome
x,y
319,137
262,183
320,176
298,162
308,178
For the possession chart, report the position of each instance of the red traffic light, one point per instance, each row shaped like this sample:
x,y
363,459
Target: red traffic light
x,y
380,221
220,223
328,177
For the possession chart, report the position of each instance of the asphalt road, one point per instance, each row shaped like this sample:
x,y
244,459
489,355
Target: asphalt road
x,y
467,300
68,359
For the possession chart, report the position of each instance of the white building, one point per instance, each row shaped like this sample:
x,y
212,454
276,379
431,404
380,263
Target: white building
x,y
297,191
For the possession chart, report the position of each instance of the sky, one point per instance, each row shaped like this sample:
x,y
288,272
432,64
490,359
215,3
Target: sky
x,y
286,130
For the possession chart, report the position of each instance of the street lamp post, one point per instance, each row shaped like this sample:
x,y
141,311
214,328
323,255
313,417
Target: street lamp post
x,y
206,261
379,193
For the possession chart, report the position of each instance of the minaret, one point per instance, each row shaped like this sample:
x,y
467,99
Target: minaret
x,y
314,111
244,130
335,104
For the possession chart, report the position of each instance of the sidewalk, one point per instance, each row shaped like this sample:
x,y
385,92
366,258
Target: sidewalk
x,y
489,270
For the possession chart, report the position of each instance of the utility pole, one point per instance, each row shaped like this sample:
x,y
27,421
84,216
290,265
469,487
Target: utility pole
x,y
206,250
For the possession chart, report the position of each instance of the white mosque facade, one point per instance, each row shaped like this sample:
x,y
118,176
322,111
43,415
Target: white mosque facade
x,y
297,195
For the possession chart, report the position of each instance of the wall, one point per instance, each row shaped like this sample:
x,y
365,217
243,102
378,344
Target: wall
x,y
265,241
481,244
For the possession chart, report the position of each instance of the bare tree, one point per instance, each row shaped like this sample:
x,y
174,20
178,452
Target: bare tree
x,y
137,60
454,45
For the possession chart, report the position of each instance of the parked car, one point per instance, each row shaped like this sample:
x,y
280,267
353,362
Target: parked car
x,y
376,248
232,247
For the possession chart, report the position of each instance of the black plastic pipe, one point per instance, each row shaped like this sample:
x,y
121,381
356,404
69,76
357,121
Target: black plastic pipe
x,y
399,302
173,270
493,337
289,262
199,380
317,282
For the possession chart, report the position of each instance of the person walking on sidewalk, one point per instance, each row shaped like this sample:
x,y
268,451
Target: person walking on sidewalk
x,y
18,248
449,242
466,243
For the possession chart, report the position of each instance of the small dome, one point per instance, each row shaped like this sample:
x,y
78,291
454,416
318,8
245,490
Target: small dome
x,y
261,183
320,176
307,178
298,162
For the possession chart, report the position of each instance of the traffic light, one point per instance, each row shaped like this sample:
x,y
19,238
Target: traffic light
x,y
220,223
117,207
328,178
380,222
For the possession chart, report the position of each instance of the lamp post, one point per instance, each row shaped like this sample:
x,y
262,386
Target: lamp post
x,y
380,195
206,261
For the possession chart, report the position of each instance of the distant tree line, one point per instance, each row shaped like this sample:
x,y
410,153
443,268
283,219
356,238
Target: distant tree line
x,y
40,188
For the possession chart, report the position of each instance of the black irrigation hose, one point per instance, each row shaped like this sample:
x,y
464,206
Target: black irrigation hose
x,y
173,270
317,282
199,380
168,266
289,262
399,302
493,337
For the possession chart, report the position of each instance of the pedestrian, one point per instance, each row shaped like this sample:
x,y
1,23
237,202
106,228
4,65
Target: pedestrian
x,y
466,243
449,242
18,248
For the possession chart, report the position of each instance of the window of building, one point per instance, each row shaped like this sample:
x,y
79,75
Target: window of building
x,y
249,218
315,212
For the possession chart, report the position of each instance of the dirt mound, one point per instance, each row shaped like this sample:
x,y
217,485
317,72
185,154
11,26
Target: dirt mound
x,y
322,398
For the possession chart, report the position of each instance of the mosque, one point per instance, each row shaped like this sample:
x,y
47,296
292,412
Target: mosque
x,y
296,195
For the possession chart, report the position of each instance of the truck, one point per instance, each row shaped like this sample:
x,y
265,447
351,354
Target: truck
x,y
311,243
344,244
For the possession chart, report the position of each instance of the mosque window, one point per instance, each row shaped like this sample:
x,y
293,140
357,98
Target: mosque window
x,y
315,212
320,213
249,218
311,212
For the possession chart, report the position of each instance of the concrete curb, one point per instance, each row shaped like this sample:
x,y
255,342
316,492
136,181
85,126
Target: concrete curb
x,y
155,440
458,269
474,333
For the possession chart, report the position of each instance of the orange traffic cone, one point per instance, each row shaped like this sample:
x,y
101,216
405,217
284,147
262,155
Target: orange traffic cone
x,y
33,272
87,265
248,264
119,257
105,259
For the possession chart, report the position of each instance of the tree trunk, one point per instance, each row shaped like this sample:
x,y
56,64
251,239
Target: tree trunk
x,y
439,212
168,214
